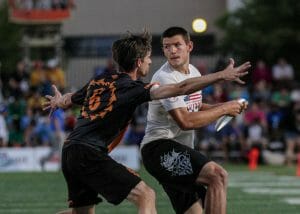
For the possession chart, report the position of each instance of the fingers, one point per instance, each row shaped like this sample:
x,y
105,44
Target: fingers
x,y
56,91
48,97
45,108
151,84
238,80
244,67
231,62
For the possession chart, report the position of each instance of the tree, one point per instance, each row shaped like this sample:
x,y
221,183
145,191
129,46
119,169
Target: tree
x,y
10,37
263,29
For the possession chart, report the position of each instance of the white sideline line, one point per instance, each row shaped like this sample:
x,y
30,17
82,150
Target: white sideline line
x,y
272,191
292,201
264,184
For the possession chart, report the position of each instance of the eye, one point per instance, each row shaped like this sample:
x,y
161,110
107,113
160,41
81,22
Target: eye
x,y
166,46
178,45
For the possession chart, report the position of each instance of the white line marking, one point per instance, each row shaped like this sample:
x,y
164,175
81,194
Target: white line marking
x,y
293,201
272,191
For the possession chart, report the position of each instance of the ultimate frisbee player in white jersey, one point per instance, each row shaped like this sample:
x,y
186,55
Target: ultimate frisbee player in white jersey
x,y
189,178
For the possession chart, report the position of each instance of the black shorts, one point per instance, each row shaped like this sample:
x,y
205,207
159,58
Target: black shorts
x,y
89,172
176,167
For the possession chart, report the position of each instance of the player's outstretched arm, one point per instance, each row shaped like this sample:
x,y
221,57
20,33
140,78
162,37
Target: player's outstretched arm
x,y
230,73
57,100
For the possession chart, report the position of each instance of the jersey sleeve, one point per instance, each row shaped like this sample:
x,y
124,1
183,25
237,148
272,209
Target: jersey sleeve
x,y
172,102
136,93
79,96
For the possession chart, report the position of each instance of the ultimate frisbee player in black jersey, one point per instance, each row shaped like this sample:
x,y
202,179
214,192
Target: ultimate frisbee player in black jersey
x,y
108,102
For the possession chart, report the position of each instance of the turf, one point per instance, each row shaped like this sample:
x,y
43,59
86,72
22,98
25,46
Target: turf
x,y
46,192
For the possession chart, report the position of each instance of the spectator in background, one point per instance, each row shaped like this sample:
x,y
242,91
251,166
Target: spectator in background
x,y
233,141
281,97
55,74
256,126
292,133
261,72
57,135
136,131
21,76
38,74
282,71
261,91
3,127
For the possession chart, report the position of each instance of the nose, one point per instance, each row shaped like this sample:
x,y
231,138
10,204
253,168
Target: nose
x,y
173,49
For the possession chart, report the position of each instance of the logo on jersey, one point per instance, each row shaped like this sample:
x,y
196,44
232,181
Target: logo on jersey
x,y
173,99
178,163
193,101
100,97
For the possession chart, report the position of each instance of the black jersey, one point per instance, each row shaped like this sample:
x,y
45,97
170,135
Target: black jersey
x,y
108,103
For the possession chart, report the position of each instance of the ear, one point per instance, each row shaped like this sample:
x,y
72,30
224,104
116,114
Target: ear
x,y
138,62
190,46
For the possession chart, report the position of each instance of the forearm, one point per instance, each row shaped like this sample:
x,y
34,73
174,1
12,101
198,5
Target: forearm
x,y
206,106
65,101
191,85
187,86
204,118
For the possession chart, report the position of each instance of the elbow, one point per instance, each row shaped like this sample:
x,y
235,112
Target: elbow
x,y
185,126
184,89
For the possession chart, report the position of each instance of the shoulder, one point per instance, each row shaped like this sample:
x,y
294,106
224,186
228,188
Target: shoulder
x,y
164,75
194,70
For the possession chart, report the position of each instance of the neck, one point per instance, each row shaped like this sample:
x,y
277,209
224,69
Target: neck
x,y
182,69
133,74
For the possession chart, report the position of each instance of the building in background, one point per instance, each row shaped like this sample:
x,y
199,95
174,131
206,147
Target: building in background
x,y
86,34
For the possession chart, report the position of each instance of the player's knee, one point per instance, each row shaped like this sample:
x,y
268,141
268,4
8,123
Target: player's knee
x,y
146,194
220,175
215,174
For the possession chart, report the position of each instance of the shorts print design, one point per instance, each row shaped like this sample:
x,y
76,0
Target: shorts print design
x,y
178,163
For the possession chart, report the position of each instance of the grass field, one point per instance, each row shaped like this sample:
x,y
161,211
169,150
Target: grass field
x,y
268,190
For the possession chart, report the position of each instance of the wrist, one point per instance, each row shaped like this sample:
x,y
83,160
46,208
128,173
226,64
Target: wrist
x,y
221,75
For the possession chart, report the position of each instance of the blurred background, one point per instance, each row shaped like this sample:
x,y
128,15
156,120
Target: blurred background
x,y
66,42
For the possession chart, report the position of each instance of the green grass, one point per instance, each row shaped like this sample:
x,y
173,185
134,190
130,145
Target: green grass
x,y
45,193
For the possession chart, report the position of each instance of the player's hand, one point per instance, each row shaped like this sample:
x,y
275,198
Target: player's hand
x,y
52,101
231,73
234,107
153,84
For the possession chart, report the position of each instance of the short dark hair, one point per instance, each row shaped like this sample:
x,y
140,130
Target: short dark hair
x,y
173,31
127,50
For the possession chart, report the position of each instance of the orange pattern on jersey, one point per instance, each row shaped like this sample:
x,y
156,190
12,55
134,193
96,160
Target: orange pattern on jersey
x,y
133,172
117,140
94,101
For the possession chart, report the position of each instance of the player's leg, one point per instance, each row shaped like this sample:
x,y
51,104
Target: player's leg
x,y
215,178
176,167
196,208
143,197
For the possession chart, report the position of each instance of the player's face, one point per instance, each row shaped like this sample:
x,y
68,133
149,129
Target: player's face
x,y
177,51
145,65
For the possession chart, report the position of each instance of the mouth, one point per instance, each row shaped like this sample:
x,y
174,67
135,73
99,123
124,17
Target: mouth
x,y
174,58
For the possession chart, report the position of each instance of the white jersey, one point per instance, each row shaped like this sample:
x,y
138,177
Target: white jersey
x,y
160,124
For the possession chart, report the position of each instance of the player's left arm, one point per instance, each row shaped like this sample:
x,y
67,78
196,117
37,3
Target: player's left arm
x,y
206,106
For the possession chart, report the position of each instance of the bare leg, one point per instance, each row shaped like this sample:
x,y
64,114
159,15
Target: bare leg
x,y
215,177
196,208
144,198
289,153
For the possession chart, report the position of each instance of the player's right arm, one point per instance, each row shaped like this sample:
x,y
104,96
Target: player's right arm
x,y
191,120
188,86
64,101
